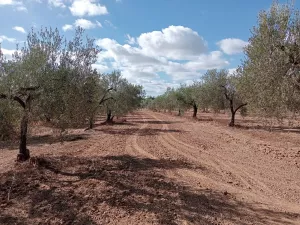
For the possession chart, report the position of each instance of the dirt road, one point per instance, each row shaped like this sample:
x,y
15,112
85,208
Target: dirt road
x,y
155,169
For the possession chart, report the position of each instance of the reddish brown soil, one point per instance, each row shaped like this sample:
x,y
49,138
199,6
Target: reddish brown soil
x,y
154,169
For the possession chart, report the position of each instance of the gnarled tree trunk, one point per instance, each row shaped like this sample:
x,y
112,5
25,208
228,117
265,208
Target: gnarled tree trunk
x,y
109,116
91,123
179,112
231,105
195,110
23,151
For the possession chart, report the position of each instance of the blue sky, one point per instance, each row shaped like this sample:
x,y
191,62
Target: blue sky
x,y
157,43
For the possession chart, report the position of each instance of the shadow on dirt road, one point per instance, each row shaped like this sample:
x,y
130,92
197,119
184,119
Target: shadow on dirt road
x,y
113,190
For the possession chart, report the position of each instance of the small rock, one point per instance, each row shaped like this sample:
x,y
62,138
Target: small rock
x,y
225,193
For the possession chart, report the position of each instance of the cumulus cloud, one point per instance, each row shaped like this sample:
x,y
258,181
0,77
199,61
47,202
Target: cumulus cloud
x,y
57,3
147,62
87,8
19,29
17,5
7,53
86,24
130,40
232,46
212,60
126,55
5,38
174,42
67,27
8,2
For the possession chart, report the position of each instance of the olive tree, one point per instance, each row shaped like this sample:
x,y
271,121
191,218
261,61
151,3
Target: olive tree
x,y
271,71
187,97
121,96
47,78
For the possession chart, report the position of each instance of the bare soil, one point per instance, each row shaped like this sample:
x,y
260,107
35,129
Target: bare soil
x,y
154,168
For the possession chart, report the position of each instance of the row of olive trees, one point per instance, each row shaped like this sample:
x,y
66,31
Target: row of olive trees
x,y
216,91
268,81
51,79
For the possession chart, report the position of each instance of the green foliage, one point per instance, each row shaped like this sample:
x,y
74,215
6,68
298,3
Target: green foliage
x,y
124,97
210,92
270,79
54,80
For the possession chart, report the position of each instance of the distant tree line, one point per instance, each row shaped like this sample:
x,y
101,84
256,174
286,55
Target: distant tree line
x,y
51,79
267,83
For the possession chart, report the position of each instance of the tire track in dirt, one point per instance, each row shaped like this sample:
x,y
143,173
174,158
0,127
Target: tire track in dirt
x,y
131,143
234,172
158,141
258,189
178,154
182,173
172,144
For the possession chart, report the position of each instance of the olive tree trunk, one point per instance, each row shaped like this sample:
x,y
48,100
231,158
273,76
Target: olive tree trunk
x,y
195,110
23,151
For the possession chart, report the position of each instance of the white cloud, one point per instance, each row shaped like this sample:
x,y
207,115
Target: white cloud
x,y
174,42
87,8
232,46
213,60
57,3
19,29
175,55
98,23
67,27
231,71
5,38
21,8
7,2
7,53
100,67
127,55
86,24
17,5
130,40
109,24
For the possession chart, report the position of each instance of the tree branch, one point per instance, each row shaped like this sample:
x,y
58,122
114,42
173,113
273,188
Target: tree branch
x,y
20,101
3,96
24,91
15,98
240,106
33,88
104,100
225,93
103,97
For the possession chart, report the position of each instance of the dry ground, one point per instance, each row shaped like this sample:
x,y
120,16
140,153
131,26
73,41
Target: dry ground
x,y
155,169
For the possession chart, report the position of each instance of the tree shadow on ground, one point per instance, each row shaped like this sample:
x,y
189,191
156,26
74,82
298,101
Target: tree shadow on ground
x,y
44,139
137,131
282,129
156,122
117,189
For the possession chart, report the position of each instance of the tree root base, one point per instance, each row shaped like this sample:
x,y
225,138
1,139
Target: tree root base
x,y
21,157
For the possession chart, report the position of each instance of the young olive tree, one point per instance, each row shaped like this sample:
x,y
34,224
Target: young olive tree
x,y
47,78
187,97
121,96
234,99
